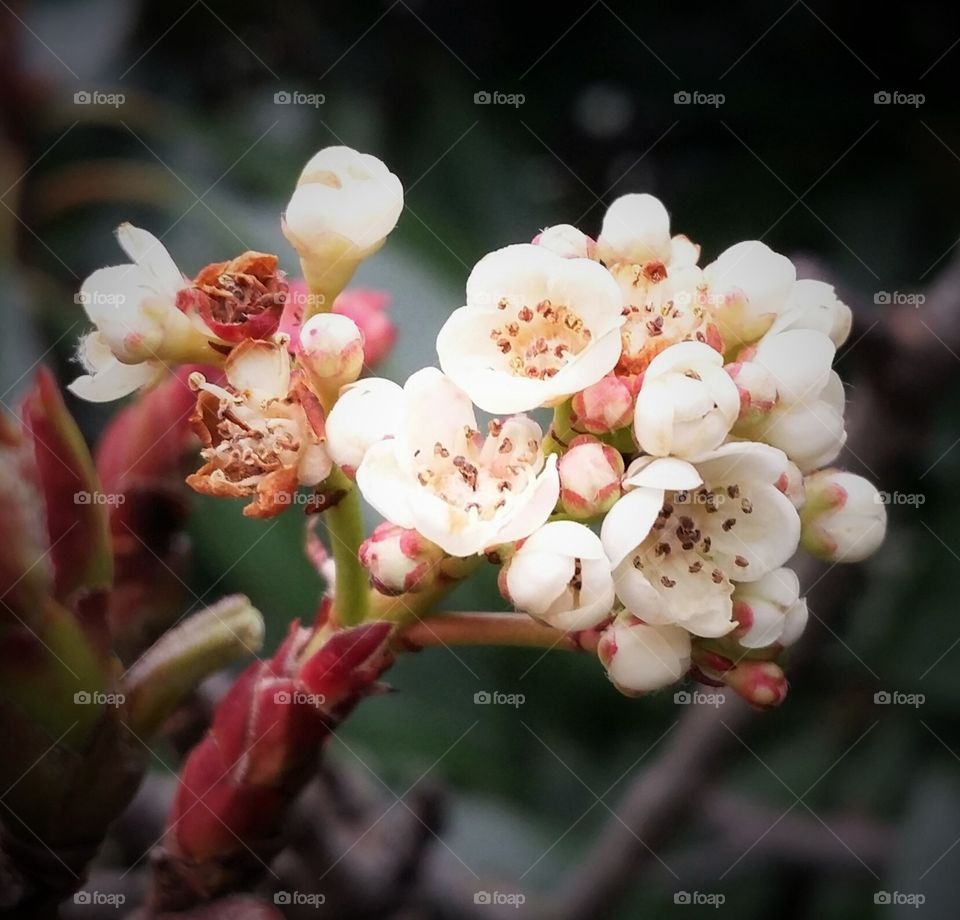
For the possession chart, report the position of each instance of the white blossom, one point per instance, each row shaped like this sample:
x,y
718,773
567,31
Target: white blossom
x,y
687,530
442,477
536,328
139,329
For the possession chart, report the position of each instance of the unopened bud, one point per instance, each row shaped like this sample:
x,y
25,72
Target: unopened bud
x,y
844,518
561,576
757,388
567,241
605,406
761,683
331,349
770,610
590,474
368,309
398,560
640,658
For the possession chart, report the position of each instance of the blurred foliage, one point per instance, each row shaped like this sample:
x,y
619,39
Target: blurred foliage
x,y
200,154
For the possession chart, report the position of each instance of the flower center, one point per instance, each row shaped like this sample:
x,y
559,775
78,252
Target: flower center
x,y
683,540
538,341
479,477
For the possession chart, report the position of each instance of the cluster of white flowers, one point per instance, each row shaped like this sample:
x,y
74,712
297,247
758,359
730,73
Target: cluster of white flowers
x,y
691,407
695,415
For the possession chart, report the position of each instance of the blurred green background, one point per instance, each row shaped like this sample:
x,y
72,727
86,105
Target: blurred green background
x,y
799,152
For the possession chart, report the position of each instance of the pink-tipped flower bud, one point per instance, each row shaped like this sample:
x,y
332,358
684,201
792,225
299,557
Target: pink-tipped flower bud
x,y
605,406
368,309
792,485
761,683
769,611
757,388
331,349
399,561
561,576
640,658
844,517
567,241
590,474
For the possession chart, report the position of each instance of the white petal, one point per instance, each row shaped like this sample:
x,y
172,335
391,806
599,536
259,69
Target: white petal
x,y
528,512
799,360
636,228
566,538
152,257
662,473
114,380
629,521
384,486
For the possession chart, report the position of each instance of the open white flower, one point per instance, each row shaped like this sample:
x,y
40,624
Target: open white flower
x,y
806,420
366,412
640,658
536,328
344,206
749,286
442,477
560,575
687,403
139,328
815,305
687,530
770,610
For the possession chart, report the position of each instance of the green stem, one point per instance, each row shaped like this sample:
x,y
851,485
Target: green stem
x,y
561,430
513,629
345,525
186,654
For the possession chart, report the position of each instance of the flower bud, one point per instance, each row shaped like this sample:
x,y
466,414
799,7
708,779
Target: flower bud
x,y
331,349
590,474
366,412
342,209
815,305
844,518
761,683
567,241
791,484
560,575
605,406
687,403
636,228
770,610
756,386
367,307
398,560
640,658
